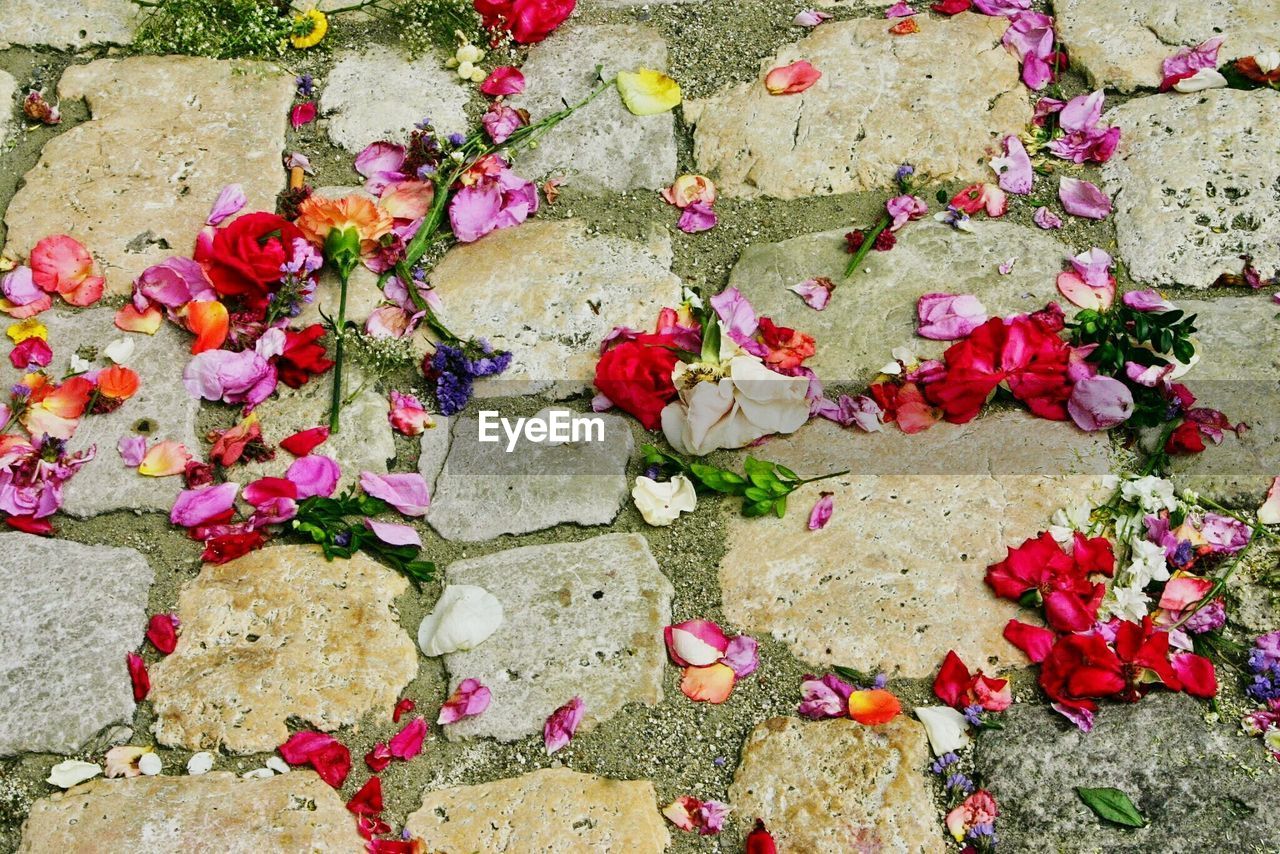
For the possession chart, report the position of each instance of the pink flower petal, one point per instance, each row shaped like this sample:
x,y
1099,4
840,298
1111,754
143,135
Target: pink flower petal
x,y
394,533
503,80
743,655
695,643
812,17
1094,266
1100,403
200,506
265,489
816,293
470,699
1046,218
791,79
60,263
1071,286
1014,168
378,157
820,515
302,114
132,450
697,217
20,288
737,316
947,317
407,743
1186,62
1081,198
315,474
229,202
899,10
562,724
406,492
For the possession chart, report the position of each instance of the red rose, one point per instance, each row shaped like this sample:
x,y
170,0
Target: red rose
x,y
528,21
1079,669
1185,439
243,258
303,357
636,376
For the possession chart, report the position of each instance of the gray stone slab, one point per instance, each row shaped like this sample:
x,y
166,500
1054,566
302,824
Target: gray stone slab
x,y
581,619
67,24
378,94
874,311
8,107
162,409
1202,787
602,147
483,492
72,613
1195,183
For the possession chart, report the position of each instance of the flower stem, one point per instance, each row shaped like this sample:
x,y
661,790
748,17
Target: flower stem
x,y
822,477
867,243
340,331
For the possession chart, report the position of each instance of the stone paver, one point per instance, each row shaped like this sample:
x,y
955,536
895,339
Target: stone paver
x,y
838,785
8,108
1121,43
568,288
580,619
553,810
895,579
281,633
162,409
1239,341
484,492
1194,184
874,311
378,93
939,99
135,184
212,812
72,613
1202,787
602,146
364,441
69,25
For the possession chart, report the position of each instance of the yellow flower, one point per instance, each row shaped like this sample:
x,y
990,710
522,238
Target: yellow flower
x,y
647,92
29,328
309,28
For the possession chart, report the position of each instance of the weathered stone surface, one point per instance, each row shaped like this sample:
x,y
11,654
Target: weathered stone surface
x,y
942,98
602,146
281,633
363,293
1121,43
839,786
135,183
553,810
1239,364
1194,184
895,579
875,311
433,449
581,619
1201,787
483,492
212,812
72,613
162,409
73,25
566,289
8,94
380,94
364,441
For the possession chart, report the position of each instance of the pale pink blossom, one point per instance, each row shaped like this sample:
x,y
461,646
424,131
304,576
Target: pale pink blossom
x,y
947,317
1094,266
405,492
1014,168
1083,199
229,202
394,533
903,208
200,506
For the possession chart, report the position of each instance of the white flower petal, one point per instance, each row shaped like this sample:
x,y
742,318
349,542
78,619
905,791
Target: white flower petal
x,y
149,763
70,772
463,619
200,763
662,503
946,728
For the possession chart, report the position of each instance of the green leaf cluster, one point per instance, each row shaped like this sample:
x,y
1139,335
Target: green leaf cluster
x,y
763,487
337,526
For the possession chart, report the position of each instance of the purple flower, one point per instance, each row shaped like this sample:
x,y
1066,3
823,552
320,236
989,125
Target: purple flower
x,y
32,476
737,316
456,139
973,714
306,85
456,370
1210,618
943,762
958,783
1001,8
742,655
496,201
1083,139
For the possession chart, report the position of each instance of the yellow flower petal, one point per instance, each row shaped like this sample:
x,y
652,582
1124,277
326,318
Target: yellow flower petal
x,y
165,459
646,92
29,328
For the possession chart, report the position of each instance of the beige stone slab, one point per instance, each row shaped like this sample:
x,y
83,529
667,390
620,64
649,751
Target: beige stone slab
x,y
1121,44
281,633
549,292
287,813
1194,183
839,786
8,107
874,311
895,580
940,99
554,810
135,183
67,24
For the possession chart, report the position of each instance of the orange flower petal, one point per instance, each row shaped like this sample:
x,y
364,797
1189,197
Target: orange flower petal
x,y
875,706
209,321
131,320
711,684
31,309
70,399
42,422
60,263
790,79
117,382
1071,286
164,459
86,293
905,27
408,199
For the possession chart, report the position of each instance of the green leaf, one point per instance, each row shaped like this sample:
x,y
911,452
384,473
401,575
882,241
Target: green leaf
x,y
1112,805
711,339
783,471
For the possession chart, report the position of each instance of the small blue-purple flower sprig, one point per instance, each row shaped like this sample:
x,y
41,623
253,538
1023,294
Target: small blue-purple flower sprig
x,y
457,368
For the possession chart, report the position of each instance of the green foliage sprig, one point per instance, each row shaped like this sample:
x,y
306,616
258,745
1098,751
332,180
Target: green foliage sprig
x,y
763,488
328,522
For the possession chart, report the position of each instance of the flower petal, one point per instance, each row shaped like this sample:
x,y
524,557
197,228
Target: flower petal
x,y
873,706
711,684
791,79
646,92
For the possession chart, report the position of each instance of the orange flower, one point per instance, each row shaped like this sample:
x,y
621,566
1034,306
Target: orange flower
x,y
875,706
116,382
317,216
209,321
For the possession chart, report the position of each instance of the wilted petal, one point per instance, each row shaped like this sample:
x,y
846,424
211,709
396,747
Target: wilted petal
x,y
710,684
946,317
405,492
132,449
820,515
1094,266
470,699
1100,403
1083,199
1071,286
695,642
1148,300
812,17
1046,218
407,743
697,217
1014,168
503,80
743,656
791,79
200,506
60,263
815,292
946,728
380,157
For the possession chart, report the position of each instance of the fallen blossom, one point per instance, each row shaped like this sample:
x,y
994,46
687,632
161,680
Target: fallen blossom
x,y
760,841
1014,169
1083,139
861,411
810,18
407,743
820,515
303,442
499,122
132,449
1006,267
1031,38
138,676
393,534
378,757
22,297
873,706
688,813
405,492
1046,219
646,92
903,208
791,79
697,217
945,727
314,474
71,772
1093,266
1188,62
463,618
60,264
562,724
162,631
368,800
229,202
978,809
495,198
328,756
1147,300
688,189
202,506
469,699
1083,199
503,80
981,196
36,108
695,643
815,292
956,686
661,503
165,459
825,697
122,761
200,763
947,317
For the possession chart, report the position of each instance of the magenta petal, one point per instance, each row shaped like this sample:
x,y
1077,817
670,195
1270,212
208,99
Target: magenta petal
x,y
695,643
198,506
946,317
742,656
302,114
378,157
562,724
393,533
698,216
405,492
1100,403
473,212
1036,72
816,293
1082,718
229,202
132,450
503,80
820,515
175,282
1081,198
468,700
314,474
407,743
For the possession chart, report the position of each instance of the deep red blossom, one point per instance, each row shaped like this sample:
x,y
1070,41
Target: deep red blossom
x,y
1184,440
760,841
1060,581
305,441
886,239
951,7
30,525
636,376
787,348
138,676
958,688
1035,641
1080,669
528,21
243,257
303,356
402,707
227,547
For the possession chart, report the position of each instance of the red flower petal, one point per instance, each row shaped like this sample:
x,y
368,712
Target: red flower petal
x,y
379,757
162,631
302,114
30,524
407,743
760,841
791,79
951,7
952,682
367,801
302,443
1196,674
138,675
1032,640
405,705
875,706
905,27
328,756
